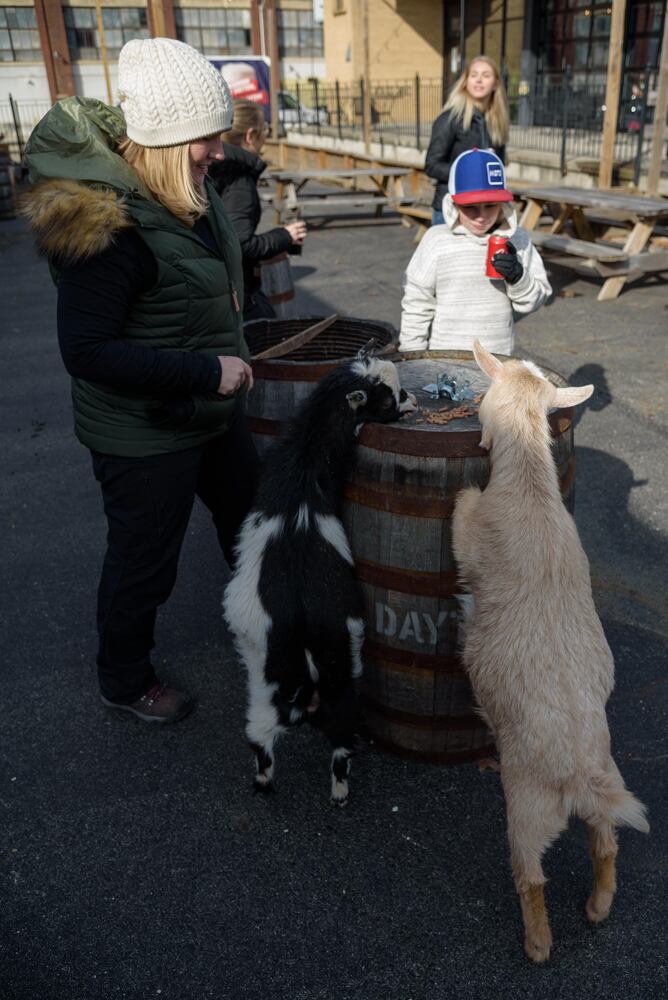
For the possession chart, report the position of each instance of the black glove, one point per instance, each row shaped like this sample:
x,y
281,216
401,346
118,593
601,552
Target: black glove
x,y
508,264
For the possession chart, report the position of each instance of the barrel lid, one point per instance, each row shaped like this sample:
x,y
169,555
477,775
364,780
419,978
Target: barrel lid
x,y
339,343
441,427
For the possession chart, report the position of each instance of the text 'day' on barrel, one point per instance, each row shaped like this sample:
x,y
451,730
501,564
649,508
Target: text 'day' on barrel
x,y
398,516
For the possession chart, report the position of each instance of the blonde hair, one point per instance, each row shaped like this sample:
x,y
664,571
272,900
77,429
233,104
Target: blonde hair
x,y
165,172
246,115
462,105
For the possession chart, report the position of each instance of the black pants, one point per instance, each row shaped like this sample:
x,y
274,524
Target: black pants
x,y
148,502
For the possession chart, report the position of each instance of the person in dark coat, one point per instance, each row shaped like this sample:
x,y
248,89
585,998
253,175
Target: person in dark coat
x,y
235,178
150,329
475,116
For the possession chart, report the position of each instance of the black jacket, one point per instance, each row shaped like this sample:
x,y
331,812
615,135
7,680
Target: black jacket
x,y
235,180
449,138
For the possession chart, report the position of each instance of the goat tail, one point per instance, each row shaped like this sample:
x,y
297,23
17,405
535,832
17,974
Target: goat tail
x,y
606,799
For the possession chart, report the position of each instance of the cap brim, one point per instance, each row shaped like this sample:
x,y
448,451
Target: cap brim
x,y
481,197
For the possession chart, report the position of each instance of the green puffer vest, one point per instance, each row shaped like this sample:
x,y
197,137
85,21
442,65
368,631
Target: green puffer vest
x,y
192,306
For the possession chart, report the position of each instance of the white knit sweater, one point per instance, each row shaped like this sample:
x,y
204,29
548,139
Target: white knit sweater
x,y
448,300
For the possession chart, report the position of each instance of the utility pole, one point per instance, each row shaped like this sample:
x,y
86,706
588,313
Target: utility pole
x,y
660,108
612,93
366,109
158,27
55,50
271,37
103,50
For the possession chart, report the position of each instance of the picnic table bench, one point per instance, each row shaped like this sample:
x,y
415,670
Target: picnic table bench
x,y
617,264
416,214
388,181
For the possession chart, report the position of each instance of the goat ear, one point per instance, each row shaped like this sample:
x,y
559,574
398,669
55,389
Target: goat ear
x,y
573,395
491,366
486,439
356,398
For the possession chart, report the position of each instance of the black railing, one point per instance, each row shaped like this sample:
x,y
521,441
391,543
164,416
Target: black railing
x,y
560,114
555,113
17,120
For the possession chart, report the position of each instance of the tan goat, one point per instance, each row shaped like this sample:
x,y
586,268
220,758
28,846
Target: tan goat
x,y
535,651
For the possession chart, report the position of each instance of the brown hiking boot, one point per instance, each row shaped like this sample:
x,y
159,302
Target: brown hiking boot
x,y
160,704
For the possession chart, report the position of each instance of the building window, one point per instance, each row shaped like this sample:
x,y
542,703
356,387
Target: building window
x,y
645,31
19,37
215,32
577,34
120,25
299,34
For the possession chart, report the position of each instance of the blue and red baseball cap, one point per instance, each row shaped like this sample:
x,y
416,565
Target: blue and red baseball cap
x,y
477,176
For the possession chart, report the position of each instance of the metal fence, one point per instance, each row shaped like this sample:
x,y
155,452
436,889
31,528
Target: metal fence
x,y
556,113
17,120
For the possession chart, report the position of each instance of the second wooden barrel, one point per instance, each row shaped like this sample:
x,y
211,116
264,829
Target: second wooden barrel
x,y
398,516
278,286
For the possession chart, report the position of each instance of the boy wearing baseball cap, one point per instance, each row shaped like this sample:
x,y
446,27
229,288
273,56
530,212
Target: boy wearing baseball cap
x,y
449,300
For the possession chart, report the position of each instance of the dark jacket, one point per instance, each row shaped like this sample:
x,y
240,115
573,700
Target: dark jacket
x,y
235,179
449,138
80,205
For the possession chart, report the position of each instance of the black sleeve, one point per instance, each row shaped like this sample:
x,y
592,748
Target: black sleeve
x,y
501,153
437,161
94,298
267,245
242,205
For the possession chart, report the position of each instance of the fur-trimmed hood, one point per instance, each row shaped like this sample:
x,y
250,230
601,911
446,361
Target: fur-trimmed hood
x,y
81,183
72,221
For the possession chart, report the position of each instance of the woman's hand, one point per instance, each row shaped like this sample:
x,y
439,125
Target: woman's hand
x,y
234,374
297,232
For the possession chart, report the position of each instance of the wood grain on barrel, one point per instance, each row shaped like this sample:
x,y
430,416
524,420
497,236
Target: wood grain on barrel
x,y
398,511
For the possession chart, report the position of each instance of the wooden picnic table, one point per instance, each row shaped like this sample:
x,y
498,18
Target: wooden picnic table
x,y
617,264
388,181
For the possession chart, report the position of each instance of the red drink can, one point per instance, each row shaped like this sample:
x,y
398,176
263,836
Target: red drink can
x,y
497,244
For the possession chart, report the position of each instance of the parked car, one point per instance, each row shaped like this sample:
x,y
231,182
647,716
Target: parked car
x,y
294,112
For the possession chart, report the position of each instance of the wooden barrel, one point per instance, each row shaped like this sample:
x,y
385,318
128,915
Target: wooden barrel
x,y
281,384
278,286
398,510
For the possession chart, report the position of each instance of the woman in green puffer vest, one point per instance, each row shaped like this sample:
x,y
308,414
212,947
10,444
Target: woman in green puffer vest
x,y
149,284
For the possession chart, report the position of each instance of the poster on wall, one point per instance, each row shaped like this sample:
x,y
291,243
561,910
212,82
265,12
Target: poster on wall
x,y
247,77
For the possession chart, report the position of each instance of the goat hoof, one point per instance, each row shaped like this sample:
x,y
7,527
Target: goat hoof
x,y
538,947
598,906
262,786
339,795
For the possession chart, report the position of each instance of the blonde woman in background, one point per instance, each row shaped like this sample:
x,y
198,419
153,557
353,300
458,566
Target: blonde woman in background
x,y
235,178
475,116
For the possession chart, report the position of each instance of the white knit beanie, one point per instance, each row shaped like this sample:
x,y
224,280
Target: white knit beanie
x,y
170,94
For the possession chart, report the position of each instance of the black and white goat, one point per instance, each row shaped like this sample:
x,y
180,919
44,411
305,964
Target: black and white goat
x,y
294,605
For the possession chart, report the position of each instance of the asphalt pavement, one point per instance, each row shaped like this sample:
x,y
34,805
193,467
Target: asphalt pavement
x,y
136,863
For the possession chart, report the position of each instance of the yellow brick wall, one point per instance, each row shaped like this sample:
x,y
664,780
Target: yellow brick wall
x,y
404,39
338,34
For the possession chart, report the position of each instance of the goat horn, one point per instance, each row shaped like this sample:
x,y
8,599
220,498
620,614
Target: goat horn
x,y
364,352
